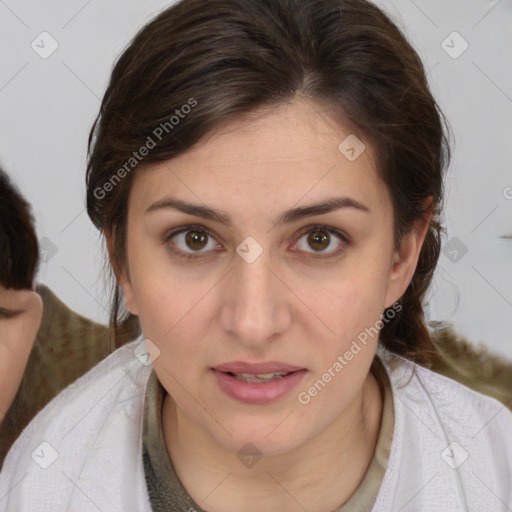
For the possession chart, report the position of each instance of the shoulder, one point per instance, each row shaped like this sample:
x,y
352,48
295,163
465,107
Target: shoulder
x,y
454,402
103,385
93,423
453,443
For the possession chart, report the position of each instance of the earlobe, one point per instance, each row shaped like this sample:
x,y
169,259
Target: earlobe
x,y
128,296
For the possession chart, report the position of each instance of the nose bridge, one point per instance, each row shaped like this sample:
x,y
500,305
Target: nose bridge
x,y
256,311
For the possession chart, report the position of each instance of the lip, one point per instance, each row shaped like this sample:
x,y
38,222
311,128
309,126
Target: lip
x,y
258,392
266,367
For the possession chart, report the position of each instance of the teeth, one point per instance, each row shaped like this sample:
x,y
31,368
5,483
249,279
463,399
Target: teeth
x,y
259,377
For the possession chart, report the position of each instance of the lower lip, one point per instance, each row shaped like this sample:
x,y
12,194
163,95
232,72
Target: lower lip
x,y
257,393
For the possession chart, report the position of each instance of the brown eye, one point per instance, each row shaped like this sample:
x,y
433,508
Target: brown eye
x,y
189,241
321,239
192,241
196,240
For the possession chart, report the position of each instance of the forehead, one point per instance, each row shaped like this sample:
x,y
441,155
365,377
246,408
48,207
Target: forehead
x,y
279,154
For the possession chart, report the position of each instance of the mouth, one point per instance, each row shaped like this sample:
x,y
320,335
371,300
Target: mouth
x,y
241,367
259,383
258,377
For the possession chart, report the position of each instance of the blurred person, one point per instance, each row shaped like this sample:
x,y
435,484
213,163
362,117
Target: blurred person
x,y
21,306
44,345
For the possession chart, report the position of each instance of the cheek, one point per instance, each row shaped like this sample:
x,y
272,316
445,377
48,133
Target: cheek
x,y
22,331
14,329
173,315
162,294
354,301
164,310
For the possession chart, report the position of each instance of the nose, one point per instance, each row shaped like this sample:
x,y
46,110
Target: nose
x,y
256,306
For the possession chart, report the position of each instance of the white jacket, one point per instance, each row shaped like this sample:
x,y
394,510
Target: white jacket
x,y
451,448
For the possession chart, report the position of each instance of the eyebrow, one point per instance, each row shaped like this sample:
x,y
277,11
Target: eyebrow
x,y
288,217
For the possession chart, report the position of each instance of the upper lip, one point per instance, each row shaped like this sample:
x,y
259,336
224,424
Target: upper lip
x,y
256,368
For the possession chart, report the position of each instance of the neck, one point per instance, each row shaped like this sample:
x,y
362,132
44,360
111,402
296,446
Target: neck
x,y
320,474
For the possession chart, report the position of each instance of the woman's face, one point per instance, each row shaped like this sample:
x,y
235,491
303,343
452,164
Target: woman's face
x,y
251,281
20,317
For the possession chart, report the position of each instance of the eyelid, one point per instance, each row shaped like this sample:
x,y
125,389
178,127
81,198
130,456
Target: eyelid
x,y
306,229
9,313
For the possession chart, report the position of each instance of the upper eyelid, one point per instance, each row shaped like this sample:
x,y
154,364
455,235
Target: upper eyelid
x,y
9,313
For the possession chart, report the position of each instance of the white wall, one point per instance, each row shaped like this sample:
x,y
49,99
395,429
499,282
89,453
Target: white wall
x,y
48,106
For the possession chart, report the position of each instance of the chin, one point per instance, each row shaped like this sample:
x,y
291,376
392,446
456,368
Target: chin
x,y
257,438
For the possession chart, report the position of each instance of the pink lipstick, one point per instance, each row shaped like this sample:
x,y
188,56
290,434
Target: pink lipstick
x,y
258,382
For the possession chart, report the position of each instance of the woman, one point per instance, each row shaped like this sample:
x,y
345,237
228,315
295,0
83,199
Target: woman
x,y
268,177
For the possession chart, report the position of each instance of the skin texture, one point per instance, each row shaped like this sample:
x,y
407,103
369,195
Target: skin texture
x,y
290,305
20,317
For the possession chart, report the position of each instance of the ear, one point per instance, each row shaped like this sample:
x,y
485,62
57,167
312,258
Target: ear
x,y
405,260
122,276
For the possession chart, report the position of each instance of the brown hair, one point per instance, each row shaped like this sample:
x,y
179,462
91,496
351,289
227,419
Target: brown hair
x,y
231,57
19,248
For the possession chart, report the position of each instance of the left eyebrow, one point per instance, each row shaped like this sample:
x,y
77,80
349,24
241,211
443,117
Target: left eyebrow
x,y
288,217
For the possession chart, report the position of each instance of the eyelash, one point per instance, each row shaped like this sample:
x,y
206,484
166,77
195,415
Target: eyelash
x,y
202,229
7,313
